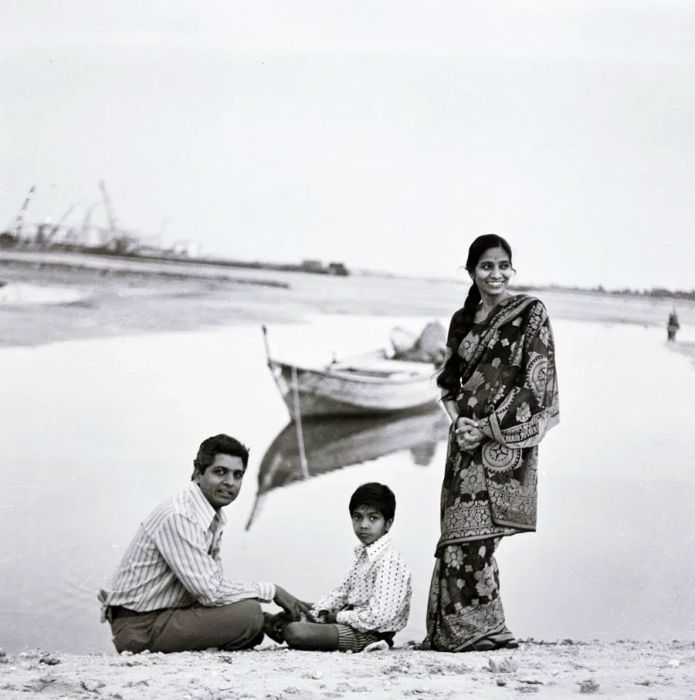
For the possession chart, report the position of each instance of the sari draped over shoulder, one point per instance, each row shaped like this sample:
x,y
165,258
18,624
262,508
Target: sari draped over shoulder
x,y
509,385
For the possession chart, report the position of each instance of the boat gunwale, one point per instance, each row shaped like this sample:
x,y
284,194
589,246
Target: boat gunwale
x,y
356,376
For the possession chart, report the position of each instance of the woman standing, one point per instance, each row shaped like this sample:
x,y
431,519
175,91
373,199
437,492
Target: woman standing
x,y
499,388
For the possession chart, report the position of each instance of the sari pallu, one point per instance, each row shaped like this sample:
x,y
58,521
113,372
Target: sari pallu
x,y
509,385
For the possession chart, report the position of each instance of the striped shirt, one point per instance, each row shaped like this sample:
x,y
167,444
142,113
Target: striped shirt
x,y
376,590
174,560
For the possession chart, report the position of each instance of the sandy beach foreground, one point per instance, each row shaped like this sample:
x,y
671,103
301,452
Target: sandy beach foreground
x,y
551,670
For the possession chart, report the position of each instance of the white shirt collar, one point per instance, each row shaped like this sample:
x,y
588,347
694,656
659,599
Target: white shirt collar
x,y
201,507
376,548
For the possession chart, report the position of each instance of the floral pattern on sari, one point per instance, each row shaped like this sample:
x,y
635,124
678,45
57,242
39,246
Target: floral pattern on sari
x,y
509,385
464,605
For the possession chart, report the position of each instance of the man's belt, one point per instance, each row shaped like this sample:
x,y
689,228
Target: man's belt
x,y
116,611
113,612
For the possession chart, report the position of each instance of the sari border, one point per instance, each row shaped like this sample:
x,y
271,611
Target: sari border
x,y
517,530
495,428
511,523
501,633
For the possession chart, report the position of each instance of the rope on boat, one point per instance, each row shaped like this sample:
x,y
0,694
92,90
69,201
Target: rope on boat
x,y
298,424
295,400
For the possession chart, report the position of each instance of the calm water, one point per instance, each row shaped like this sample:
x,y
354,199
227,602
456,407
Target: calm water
x,y
95,433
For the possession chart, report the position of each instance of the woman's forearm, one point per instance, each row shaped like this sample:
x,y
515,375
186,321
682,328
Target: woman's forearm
x,y
449,405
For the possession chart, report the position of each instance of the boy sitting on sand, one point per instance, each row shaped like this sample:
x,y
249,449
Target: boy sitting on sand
x,y
373,601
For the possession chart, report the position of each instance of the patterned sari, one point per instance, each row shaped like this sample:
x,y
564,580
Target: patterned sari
x,y
509,385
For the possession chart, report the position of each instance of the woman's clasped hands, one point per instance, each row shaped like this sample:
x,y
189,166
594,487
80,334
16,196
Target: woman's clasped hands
x,y
468,434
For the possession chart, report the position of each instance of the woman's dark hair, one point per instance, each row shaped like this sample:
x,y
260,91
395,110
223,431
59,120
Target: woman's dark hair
x,y
377,496
450,377
218,444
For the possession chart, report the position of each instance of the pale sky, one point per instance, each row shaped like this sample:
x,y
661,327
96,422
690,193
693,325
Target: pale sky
x,y
383,134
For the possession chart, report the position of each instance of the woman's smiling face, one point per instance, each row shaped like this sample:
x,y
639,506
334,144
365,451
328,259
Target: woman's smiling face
x,y
493,272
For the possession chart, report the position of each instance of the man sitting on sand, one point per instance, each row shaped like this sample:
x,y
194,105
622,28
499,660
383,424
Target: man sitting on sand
x,y
373,601
168,593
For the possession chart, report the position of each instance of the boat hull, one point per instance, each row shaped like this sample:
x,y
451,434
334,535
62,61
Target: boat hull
x,y
350,392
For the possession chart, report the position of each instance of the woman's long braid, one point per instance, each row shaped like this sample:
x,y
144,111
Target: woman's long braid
x,y
449,378
470,306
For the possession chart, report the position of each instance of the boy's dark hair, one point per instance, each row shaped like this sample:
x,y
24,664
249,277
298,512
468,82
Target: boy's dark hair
x,y
378,496
218,444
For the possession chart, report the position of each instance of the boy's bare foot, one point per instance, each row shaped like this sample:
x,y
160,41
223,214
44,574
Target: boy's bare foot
x,y
274,626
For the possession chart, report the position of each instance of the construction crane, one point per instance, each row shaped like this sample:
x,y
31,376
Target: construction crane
x,y
52,229
119,241
162,226
16,229
86,222
107,206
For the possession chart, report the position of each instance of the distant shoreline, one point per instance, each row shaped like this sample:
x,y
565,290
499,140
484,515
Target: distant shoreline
x,y
104,263
31,254
117,296
307,266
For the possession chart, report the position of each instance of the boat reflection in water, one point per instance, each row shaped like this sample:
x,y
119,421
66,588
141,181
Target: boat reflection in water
x,y
321,445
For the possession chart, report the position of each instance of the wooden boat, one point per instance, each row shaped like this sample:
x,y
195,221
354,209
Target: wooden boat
x,y
368,385
318,446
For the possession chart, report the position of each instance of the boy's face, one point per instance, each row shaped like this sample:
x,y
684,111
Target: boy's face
x,y
369,524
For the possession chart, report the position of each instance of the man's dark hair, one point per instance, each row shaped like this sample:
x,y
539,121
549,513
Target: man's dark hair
x,y
377,496
218,444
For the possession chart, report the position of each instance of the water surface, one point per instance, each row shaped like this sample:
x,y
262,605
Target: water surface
x,y
96,432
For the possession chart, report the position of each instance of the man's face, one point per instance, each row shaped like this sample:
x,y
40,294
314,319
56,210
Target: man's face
x,y
221,481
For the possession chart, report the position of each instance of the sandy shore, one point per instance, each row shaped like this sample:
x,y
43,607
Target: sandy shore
x,y
551,670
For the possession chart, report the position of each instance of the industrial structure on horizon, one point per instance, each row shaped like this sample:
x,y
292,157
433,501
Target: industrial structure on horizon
x,y
113,239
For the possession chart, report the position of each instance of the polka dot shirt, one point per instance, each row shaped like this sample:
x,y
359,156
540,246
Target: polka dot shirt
x,y
375,594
